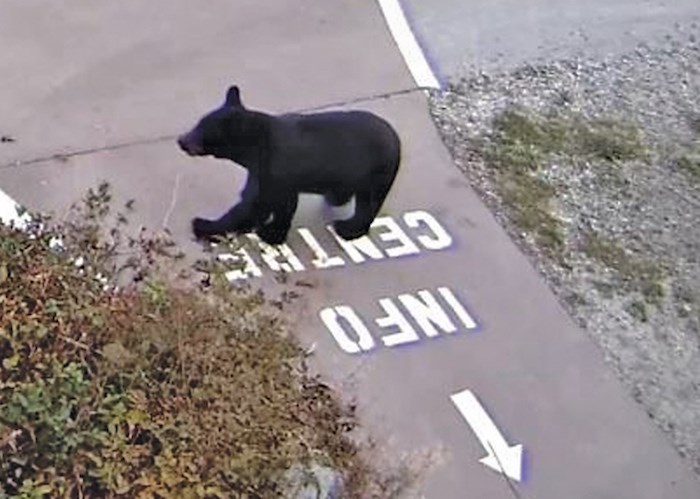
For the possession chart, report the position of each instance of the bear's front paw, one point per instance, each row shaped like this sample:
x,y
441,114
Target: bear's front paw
x,y
348,230
272,235
203,228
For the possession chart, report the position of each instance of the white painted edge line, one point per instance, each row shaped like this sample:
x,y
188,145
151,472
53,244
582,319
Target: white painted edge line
x,y
408,45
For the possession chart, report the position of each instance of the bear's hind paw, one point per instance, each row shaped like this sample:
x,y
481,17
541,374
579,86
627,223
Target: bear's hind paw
x,y
348,230
272,235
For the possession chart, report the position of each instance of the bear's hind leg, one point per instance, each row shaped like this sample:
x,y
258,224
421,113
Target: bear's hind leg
x,y
367,205
337,198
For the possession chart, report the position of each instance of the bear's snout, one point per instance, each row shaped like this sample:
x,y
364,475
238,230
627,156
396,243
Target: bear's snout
x,y
189,145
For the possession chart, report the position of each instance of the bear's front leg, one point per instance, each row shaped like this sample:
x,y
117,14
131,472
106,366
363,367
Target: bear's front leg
x,y
204,229
239,219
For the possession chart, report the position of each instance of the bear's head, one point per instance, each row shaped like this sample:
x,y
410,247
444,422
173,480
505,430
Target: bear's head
x,y
224,132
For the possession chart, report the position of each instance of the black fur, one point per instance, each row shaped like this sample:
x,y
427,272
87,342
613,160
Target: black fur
x,y
336,154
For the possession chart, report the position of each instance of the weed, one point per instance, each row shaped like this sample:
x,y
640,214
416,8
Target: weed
x,y
545,136
638,310
690,165
606,289
694,123
146,389
605,139
575,299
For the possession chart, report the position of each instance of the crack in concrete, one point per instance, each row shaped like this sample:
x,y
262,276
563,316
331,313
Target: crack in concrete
x,y
63,156
173,201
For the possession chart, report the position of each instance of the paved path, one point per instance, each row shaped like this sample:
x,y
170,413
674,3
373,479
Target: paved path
x,y
461,37
436,302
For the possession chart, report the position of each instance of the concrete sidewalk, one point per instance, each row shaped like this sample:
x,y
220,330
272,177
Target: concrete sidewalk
x,y
436,301
88,74
463,38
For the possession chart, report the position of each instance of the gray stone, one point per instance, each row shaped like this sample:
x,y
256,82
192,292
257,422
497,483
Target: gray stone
x,y
314,482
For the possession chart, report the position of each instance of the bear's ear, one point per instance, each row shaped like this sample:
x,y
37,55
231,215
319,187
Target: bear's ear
x,y
233,97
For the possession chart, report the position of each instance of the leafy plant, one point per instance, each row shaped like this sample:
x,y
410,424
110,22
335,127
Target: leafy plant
x,y
116,383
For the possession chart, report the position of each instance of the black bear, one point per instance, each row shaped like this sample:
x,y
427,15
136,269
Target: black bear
x,y
337,154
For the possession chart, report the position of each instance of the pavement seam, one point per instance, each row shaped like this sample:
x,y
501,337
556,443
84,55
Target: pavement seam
x,y
511,487
63,156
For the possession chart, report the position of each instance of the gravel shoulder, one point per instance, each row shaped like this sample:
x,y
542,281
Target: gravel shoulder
x,y
593,167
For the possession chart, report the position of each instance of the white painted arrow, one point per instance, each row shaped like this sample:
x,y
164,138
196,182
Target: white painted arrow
x,y
501,457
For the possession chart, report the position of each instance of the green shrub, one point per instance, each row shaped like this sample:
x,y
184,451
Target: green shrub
x,y
150,390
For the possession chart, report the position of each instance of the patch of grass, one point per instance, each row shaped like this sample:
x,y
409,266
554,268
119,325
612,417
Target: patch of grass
x,y
514,128
516,153
150,389
605,139
574,136
643,277
528,197
520,146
